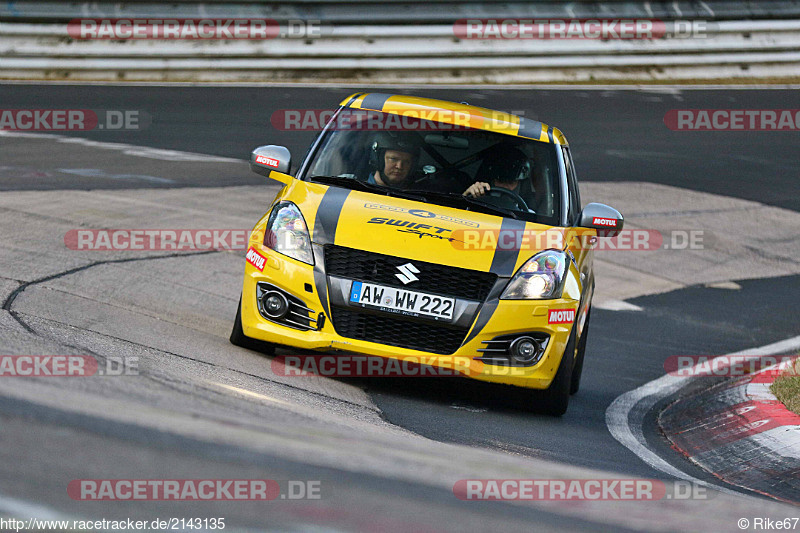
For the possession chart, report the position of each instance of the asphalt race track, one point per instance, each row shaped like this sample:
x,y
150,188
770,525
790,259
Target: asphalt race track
x,y
386,452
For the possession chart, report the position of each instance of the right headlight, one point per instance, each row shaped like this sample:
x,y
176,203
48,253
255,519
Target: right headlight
x,y
540,278
287,233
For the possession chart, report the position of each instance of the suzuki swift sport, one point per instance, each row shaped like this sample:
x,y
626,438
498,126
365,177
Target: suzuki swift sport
x,y
425,230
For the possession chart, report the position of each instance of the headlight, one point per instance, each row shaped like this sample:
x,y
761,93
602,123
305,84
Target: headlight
x,y
287,233
540,278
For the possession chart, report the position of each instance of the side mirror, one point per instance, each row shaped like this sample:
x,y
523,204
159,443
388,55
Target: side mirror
x,y
265,160
606,220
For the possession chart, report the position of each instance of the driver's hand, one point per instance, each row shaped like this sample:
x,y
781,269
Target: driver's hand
x,y
478,188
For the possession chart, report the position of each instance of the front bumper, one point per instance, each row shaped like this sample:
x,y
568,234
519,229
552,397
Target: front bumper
x,y
508,317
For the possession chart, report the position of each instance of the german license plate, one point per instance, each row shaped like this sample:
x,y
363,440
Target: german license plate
x,y
401,301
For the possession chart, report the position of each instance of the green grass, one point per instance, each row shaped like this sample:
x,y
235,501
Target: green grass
x,y
787,388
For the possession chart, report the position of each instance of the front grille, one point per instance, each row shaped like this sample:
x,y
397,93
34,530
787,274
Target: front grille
x,y
374,327
433,278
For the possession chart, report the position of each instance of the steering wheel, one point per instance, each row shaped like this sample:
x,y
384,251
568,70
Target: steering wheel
x,y
499,192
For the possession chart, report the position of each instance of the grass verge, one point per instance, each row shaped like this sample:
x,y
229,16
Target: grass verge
x,y
787,388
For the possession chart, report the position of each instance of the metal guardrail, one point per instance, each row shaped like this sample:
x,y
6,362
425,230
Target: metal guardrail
x,y
408,52
403,11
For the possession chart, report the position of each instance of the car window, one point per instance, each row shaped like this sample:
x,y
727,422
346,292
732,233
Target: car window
x,y
574,209
446,160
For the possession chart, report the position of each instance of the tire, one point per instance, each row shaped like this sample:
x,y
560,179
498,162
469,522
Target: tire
x,y
579,356
238,338
557,395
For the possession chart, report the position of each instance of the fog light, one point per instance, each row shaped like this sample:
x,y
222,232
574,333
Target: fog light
x,y
524,350
275,305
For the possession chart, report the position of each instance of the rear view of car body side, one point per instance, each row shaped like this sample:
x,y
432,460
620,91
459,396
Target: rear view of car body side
x,y
498,286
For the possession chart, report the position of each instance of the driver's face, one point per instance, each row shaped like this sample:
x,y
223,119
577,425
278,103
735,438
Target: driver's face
x,y
397,166
511,186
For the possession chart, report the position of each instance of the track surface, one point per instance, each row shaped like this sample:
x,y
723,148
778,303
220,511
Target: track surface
x,y
616,135
187,364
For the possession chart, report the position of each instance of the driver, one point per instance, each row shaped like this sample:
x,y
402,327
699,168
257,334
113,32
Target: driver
x,y
392,157
506,167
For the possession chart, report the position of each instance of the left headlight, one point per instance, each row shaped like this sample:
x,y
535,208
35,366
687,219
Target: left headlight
x,y
287,233
540,278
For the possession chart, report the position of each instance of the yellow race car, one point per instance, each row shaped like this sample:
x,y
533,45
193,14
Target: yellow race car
x,y
425,230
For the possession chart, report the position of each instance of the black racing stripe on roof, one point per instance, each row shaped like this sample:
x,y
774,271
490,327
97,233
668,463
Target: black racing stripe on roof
x,y
532,129
353,99
375,101
550,135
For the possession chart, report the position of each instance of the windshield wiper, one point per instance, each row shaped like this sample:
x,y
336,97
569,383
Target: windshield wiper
x,y
352,183
461,199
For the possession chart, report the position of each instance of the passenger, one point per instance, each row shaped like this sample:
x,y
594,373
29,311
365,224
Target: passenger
x,y
506,167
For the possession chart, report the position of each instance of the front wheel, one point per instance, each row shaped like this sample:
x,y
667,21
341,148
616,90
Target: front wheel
x,y
579,355
238,338
556,398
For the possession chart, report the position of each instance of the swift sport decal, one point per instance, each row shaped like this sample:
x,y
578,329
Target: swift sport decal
x,y
422,234
406,223
416,228
422,213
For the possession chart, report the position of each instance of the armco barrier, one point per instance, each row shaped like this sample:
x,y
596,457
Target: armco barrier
x,y
411,42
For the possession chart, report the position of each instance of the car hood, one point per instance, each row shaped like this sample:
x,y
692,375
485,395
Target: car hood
x,y
420,231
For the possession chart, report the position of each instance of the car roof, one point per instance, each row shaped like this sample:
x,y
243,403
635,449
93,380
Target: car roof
x,y
457,114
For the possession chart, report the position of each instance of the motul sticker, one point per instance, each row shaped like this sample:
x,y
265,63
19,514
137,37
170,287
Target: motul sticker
x,y
597,221
264,160
256,259
561,316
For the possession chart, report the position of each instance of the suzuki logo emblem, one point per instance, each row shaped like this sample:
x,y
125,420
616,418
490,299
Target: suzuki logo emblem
x,y
408,270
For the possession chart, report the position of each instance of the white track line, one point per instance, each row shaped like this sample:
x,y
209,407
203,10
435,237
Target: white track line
x,y
22,510
625,415
127,149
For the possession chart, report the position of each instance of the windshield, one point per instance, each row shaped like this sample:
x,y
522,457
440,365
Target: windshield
x,y
441,164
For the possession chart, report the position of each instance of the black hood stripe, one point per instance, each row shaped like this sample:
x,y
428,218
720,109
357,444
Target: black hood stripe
x,y
324,233
504,261
487,309
328,215
503,264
